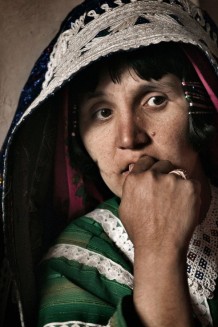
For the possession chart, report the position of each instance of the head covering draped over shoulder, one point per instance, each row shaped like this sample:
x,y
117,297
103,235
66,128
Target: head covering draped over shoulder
x,y
41,190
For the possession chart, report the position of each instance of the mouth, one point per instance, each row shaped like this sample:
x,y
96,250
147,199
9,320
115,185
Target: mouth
x,y
128,168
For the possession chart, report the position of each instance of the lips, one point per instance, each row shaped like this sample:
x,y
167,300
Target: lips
x,y
132,163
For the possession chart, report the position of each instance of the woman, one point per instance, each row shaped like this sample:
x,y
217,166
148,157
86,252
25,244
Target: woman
x,y
134,134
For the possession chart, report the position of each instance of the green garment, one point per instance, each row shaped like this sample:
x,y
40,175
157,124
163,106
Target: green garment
x,y
86,279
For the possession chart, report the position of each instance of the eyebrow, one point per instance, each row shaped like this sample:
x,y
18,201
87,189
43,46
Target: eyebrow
x,y
146,88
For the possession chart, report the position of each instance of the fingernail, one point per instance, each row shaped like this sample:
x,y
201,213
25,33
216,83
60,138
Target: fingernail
x,y
131,167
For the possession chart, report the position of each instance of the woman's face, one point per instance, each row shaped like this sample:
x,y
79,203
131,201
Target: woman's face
x,y
122,122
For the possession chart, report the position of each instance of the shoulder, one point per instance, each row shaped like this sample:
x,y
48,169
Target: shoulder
x,y
92,224
99,232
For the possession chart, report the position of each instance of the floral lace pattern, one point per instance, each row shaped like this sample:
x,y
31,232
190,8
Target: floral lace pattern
x,y
74,324
201,257
114,228
105,266
202,265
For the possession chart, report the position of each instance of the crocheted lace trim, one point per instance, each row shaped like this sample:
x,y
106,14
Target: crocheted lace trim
x,y
201,257
74,324
202,265
114,228
105,266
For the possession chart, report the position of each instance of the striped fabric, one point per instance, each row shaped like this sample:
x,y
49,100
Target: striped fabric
x,y
86,278
77,292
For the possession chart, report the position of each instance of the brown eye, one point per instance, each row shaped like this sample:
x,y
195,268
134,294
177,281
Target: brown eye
x,y
103,114
157,101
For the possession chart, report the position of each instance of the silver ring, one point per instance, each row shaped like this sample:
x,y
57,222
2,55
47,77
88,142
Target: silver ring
x,y
179,172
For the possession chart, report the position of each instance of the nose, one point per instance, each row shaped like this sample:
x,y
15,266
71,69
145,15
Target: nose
x,y
131,133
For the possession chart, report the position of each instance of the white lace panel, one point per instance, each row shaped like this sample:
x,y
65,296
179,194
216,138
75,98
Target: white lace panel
x,y
74,324
202,261
201,257
105,266
114,228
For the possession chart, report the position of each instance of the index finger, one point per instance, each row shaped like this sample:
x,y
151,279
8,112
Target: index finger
x,y
143,164
163,167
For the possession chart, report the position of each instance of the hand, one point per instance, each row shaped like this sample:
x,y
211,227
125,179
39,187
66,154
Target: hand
x,y
160,211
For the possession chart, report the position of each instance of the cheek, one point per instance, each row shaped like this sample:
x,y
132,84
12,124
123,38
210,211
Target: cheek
x,y
96,144
91,144
173,136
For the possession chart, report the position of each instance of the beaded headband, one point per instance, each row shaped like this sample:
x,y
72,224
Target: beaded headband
x,y
198,99
98,28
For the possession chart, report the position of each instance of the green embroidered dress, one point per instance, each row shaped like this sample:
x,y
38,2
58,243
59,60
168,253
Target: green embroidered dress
x,y
87,276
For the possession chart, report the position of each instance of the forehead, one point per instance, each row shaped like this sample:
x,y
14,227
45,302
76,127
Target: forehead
x,y
129,78
130,84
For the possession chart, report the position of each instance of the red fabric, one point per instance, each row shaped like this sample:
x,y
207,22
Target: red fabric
x,y
71,193
205,72
65,188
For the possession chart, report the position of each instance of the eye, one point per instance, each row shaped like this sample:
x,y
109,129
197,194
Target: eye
x,y
103,114
157,101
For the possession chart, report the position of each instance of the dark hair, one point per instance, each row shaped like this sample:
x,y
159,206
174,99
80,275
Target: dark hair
x,y
152,62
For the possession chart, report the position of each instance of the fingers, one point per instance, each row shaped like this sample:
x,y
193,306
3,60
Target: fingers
x,y
143,164
163,167
148,163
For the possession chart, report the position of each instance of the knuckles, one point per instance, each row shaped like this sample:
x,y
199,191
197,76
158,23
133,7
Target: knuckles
x,y
151,182
159,204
